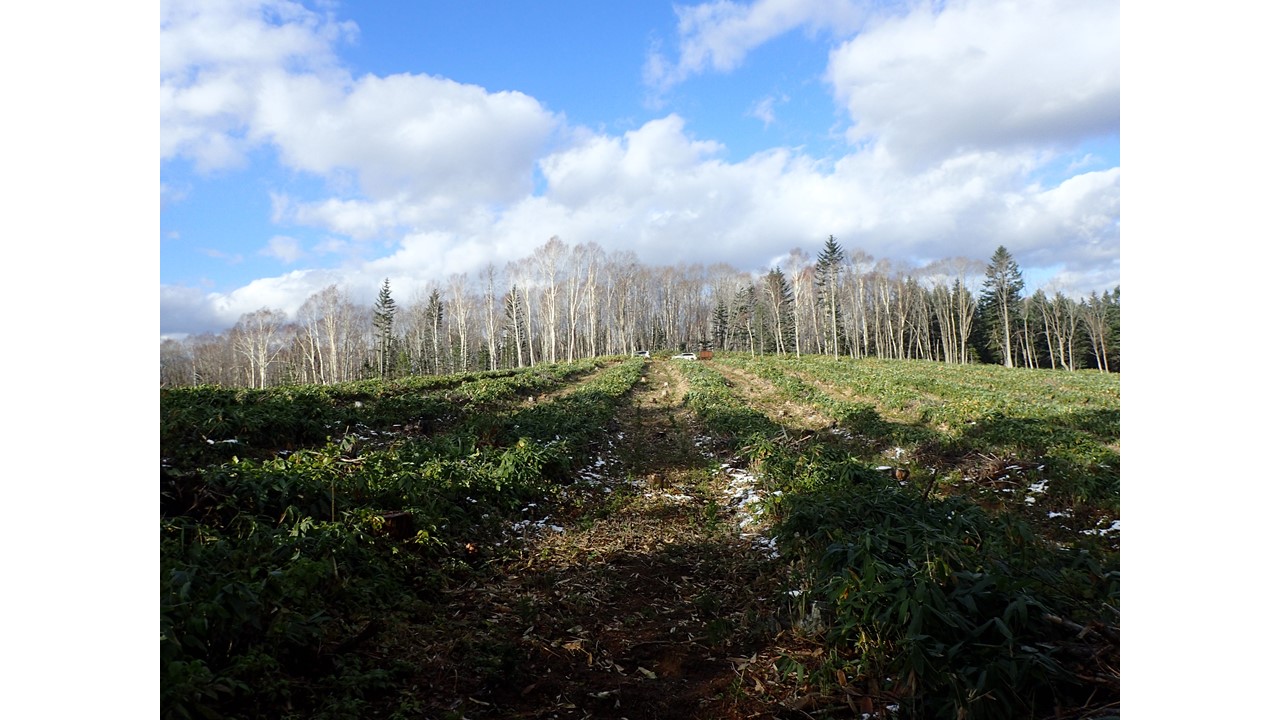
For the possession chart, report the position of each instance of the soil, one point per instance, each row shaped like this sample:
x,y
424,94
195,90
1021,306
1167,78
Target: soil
x,y
645,592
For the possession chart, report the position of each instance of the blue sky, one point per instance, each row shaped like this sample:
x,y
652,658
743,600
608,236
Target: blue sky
x,y
310,143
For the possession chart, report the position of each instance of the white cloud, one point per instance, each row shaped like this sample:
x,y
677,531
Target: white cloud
x,y
763,110
213,57
192,311
718,35
236,75
409,134
640,164
285,249
671,199
1077,222
684,204
355,218
185,310
228,258
981,74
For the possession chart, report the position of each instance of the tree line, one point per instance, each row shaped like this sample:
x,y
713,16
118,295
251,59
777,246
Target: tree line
x,y
565,302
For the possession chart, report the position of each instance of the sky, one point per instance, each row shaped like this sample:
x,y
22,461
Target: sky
x,y
309,143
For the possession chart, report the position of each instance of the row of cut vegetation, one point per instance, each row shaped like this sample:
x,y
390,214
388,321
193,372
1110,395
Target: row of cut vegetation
x,y
346,505
939,594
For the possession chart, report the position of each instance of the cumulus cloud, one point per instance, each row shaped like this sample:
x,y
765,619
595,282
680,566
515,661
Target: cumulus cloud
x,y
239,74
213,58
685,204
980,74
359,218
189,311
409,134
1076,223
639,164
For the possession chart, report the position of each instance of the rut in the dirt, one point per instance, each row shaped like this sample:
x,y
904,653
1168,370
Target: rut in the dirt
x,y
632,601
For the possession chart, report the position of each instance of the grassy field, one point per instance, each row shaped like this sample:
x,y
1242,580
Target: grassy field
x,y
625,537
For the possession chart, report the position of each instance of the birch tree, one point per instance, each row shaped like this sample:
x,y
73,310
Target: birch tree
x,y
459,308
782,310
258,340
549,259
490,314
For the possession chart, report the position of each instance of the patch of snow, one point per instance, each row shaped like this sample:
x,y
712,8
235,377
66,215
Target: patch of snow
x,y
525,526
1101,531
769,545
668,496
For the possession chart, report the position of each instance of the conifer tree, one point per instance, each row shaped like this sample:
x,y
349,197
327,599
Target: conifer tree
x,y
384,312
827,273
1001,298
720,326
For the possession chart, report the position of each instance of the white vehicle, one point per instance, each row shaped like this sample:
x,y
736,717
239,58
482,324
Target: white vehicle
x,y
642,353
684,356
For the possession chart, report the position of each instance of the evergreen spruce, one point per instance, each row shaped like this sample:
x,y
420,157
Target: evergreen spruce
x,y
720,326
384,312
827,273
1000,304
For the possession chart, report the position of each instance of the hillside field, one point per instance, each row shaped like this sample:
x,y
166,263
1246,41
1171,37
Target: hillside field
x,y
646,538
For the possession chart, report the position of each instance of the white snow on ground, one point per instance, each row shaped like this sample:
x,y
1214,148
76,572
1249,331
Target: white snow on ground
x,y
677,499
743,497
604,471
768,545
746,502
1036,489
535,526
1113,527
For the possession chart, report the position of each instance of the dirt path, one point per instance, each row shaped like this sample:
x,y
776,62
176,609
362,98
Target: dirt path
x,y
646,592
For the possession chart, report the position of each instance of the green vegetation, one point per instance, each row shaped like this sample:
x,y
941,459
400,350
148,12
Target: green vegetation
x,y
969,606
275,567
949,528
